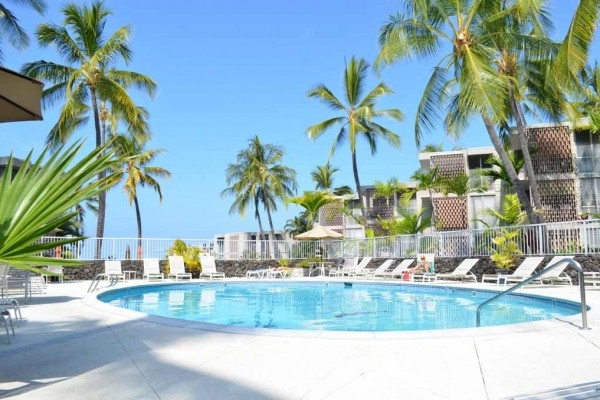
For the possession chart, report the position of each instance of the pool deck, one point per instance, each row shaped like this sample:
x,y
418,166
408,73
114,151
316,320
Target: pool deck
x,y
70,346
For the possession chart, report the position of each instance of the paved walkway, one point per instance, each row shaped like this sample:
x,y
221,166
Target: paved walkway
x,y
72,347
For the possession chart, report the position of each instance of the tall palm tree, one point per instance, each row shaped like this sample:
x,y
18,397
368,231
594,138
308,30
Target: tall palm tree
x,y
322,176
259,175
466,82
88,77
136,172
11,30
432,148
356,119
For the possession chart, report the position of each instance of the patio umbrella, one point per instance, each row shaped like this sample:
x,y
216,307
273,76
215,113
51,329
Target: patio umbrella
x,y
319,232
20,97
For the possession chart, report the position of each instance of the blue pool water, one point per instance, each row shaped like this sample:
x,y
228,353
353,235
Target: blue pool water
x,y
334,306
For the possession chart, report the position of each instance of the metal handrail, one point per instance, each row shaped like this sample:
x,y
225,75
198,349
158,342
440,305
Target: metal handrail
x,y
99,277
574,263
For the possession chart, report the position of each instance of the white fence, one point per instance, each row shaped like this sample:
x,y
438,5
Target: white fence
x,y
575,237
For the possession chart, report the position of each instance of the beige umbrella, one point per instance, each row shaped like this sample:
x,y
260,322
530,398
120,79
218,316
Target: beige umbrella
x,y
319,232
19,97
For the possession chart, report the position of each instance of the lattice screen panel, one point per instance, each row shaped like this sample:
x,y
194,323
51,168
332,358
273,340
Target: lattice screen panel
x,y
382,209
332,214
451,213
559,199
551,150
449,165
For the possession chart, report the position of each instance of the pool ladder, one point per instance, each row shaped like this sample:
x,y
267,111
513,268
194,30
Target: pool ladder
x,y
114,279
575,264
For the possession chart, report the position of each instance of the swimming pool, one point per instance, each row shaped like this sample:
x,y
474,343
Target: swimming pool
x,y
335,306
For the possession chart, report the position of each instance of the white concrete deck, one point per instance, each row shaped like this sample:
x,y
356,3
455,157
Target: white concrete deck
x,y
70,346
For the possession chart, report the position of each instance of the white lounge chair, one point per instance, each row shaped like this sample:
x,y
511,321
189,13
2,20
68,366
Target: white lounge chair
x,y
177,268
6,321
399,270
112,270
523,272
556,275
349,265
257,273
152,269
360,268
463,271
209,268
55,269
380,269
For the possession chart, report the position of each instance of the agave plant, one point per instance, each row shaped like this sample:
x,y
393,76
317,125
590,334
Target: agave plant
x,y
41,197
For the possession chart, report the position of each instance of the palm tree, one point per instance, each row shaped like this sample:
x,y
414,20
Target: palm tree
x,y
426,180
388,190
32,206
323,178
466,82
499,173
588,97
575,48
88,77
312,202
298,224
259,175
356,117
12,30
136,172
433,148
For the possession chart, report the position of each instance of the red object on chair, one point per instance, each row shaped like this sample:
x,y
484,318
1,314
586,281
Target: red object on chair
x,y
406,276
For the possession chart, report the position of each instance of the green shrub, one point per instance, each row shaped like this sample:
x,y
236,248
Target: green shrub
x,y
190,254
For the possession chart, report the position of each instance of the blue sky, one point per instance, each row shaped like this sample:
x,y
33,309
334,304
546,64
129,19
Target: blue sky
x,y
229,70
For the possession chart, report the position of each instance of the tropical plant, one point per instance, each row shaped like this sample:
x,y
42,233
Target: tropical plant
x,y
499,171
297,225
323,178
426,179
389,190
43,196
466,82
312,202
357,116
588,98
88,78
136,172
409,223
506,249
11,30
461,185
259,176
511,213
432,148
575,47
190,254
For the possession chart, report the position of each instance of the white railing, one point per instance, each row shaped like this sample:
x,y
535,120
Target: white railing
x,y
574,237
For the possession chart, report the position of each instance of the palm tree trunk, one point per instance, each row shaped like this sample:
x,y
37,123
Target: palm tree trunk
x,y
260,226
510,169
270,221
101,175
533,185
363,211
138,217
433,221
